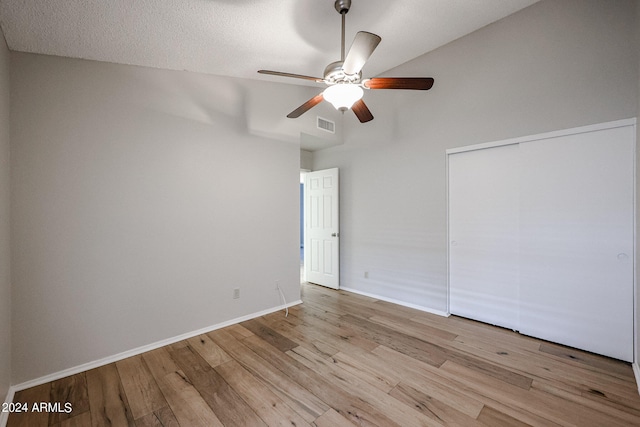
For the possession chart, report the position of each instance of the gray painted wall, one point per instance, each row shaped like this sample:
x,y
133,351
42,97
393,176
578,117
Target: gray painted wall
x,y
306,159
140,199
5,272
637,329
551,66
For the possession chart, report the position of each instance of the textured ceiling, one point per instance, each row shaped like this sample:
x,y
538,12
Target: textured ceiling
x,y
238,37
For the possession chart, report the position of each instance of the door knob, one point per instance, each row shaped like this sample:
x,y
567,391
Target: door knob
x,y
334,234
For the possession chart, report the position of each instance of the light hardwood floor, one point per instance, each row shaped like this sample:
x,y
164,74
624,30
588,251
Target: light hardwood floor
x,y
342,359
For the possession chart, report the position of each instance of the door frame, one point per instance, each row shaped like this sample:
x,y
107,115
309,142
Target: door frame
x,y
331,282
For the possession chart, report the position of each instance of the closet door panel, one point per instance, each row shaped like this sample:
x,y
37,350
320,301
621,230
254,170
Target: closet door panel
x,y
576,240
483,233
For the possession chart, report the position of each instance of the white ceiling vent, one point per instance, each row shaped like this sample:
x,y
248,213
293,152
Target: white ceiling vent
x,y
326,125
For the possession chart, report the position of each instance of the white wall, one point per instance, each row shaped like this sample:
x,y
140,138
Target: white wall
x,y
140,199
5,272
551,66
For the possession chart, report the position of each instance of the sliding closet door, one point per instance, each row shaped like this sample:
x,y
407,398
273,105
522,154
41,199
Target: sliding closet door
x,y
576,240
483,233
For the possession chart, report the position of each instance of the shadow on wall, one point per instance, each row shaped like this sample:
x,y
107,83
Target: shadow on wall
x,y
254,107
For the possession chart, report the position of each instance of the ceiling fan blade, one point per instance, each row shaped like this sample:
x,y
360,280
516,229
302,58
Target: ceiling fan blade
x,y
306,106
295,76
361,49
415,83
362,111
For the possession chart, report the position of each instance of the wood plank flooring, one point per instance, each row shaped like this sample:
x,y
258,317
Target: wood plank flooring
x,y
341,359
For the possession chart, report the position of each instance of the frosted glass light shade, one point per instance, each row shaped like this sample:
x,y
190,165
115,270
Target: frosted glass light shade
x,y
343,95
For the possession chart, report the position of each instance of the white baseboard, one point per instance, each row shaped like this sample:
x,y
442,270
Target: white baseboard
x,y
134,352
395,301
636,373
4,416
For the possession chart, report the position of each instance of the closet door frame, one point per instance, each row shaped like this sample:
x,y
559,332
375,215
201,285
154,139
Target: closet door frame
x,y
537,137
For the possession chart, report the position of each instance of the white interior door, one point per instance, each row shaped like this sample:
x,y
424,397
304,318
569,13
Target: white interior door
x,y
576,240
483,233
321,213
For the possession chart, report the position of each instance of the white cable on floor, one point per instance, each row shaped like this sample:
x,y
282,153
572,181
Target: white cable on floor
x,y
285,301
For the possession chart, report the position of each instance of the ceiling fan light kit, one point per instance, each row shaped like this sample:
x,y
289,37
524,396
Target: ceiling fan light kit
x,y
343,95
344,77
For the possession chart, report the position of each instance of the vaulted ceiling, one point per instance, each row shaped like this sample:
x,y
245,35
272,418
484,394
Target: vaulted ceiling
x,y
238,37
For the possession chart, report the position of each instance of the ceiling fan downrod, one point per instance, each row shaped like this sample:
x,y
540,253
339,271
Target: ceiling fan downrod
x,y
342,7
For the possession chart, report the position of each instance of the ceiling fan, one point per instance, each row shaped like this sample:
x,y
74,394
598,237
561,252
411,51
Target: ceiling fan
x,y
344,77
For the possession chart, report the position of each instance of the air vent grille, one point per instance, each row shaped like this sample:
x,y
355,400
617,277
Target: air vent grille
x,y
326,125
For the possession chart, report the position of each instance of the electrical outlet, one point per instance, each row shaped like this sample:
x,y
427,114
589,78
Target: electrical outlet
x,y
277,284
236,293
366,274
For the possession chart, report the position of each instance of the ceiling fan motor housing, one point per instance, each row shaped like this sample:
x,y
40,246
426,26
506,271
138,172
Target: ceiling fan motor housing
x,y
335,74
342,6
